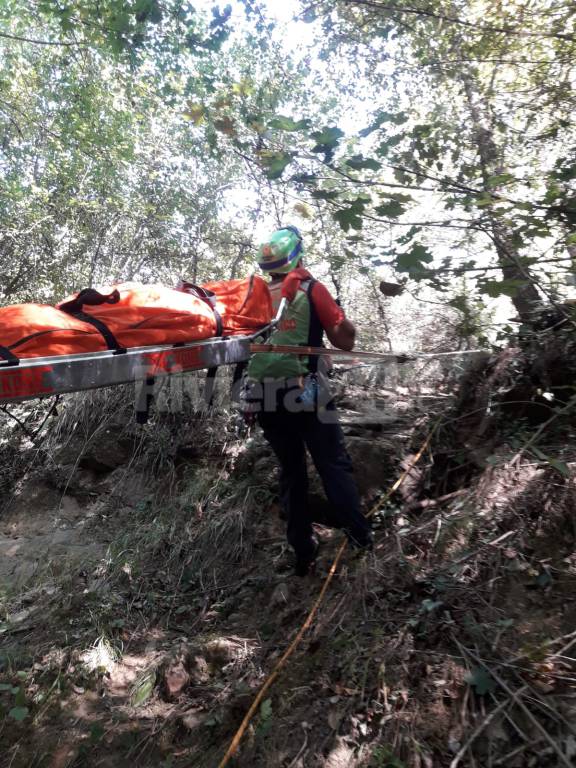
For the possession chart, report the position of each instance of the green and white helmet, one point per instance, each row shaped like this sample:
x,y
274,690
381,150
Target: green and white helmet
x,y
282,251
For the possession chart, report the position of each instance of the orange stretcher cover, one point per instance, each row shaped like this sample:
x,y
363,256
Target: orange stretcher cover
x,y
144,315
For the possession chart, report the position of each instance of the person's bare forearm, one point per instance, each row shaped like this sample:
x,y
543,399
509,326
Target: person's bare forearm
x,y
343,335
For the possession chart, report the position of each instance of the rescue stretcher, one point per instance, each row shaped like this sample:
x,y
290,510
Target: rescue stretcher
x,y
109,321
26,378
45,376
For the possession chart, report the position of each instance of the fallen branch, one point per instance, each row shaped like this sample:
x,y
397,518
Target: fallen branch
x,y
50,412
484,724
18,421
427,503
515,752
300,751
529,443
514,695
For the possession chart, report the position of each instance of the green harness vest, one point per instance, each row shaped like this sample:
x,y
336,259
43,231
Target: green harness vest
x,y
298,327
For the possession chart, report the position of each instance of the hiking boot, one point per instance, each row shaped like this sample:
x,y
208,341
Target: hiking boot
x,y
305,564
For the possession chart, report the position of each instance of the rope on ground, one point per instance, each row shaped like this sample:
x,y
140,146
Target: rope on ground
x,y
281,663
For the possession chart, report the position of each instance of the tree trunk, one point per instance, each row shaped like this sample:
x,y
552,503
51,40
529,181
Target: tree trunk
x,y
527,297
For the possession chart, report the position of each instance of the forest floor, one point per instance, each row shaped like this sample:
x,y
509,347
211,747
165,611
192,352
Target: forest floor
x,y
146,593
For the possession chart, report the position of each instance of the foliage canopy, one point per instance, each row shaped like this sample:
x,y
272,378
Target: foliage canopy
x,y
145,139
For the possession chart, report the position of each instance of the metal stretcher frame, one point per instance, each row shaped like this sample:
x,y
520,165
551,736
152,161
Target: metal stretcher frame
x,y
46,376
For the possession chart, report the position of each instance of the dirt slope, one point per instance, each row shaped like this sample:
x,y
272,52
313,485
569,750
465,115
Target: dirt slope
x,y
148,593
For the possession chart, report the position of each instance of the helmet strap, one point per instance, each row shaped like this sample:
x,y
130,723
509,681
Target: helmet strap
x,y
298,247
296,231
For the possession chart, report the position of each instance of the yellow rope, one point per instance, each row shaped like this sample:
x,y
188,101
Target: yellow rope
x,y
234,744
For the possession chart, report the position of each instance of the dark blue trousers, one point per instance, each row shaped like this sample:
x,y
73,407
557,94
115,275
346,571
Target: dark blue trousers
x,y
289,435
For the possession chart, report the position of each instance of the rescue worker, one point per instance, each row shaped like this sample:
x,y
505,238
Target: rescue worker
x,y
293,404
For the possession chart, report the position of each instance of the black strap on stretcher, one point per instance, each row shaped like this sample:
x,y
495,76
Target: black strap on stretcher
x,y
9,357
93,298
208,297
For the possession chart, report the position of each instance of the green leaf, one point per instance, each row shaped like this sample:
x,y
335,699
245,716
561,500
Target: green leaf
x,y
560,467
283,123
359,163
265,723
384,757
495,288
422,131
484,200
429,605
195,112
275,163
538,453
553,192
119,22
143,688
567,173
500,180
348,218
266,709
385,146
407,238
18,713
413,258
524,206
304,178
413,262
5,687
96,733
327,140
328,136
211,722
399,197
384,117
390,210
405,262
242,88
403,177
482,682
148,10
322,194
351,217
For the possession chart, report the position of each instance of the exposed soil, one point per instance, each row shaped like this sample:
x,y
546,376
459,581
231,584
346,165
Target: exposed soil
x,y
148,593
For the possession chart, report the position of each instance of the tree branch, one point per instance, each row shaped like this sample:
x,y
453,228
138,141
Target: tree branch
x,y
62,43
454,20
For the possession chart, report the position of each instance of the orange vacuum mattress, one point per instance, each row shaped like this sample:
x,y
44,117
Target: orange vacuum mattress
x,y
133,315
